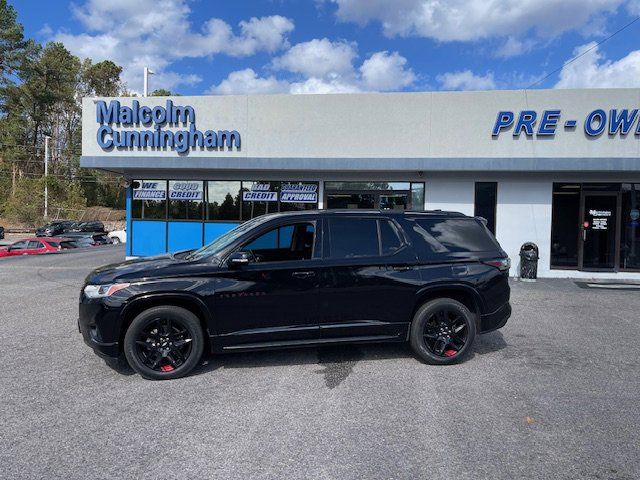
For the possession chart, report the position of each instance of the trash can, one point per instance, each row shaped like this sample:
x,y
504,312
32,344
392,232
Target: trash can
x,y
529,262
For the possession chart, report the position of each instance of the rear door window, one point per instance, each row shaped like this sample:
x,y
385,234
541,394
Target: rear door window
x,y
390,241
456,235
353,237
33,245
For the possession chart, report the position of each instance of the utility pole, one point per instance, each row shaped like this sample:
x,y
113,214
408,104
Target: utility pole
x,y
46,175
147,72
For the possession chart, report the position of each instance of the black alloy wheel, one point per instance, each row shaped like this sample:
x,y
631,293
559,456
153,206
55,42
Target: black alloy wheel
x,y
443,331
164,342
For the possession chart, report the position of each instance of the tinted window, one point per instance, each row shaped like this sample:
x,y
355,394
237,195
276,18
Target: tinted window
x,y
565,218
286,243
34,244
390,241
458,234
353,237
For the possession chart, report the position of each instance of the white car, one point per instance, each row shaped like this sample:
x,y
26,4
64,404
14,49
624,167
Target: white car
x,y
118,236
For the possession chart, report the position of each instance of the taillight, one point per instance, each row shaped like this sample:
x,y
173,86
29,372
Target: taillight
x,y
502,264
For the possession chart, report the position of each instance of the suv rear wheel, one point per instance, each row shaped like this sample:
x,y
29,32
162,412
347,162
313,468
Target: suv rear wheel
x,y
164,342
443,331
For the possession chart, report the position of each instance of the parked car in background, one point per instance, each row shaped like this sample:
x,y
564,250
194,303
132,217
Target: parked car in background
x,y
433,279
1,232
81,239
36,245
91,226
55,228
118,236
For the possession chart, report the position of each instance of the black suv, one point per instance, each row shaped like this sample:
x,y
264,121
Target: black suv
x,y
56,228
434,279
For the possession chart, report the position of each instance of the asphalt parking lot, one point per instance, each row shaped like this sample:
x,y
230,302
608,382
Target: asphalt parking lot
x,y
555,394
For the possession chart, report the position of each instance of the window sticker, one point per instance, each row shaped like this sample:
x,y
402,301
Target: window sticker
x,y
185,190
260,192
150,190
299,193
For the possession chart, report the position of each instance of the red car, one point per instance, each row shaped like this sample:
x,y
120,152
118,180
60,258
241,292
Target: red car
x,y
35,245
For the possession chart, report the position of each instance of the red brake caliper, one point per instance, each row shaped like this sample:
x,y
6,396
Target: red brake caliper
x,y
169,368
450,352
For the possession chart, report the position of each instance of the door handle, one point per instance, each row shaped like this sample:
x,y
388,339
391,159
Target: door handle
x,y
303,274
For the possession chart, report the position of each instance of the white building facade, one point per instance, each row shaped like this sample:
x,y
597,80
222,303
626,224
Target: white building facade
x,y
560,168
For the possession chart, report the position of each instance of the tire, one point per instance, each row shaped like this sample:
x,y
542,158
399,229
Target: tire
x,y
168,337
115,240
443,321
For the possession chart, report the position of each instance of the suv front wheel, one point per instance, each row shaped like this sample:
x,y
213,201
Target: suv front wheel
x,y
443,331
164,342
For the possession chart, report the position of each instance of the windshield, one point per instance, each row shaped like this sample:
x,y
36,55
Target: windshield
x,y
225,240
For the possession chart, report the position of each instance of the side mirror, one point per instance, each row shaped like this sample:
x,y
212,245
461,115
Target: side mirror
x,y
238,259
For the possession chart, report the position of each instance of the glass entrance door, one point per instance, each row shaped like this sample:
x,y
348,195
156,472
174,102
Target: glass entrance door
x,y
599,229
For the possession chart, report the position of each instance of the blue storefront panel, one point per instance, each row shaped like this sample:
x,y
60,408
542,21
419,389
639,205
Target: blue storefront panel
x,y
148,237
184,236
214,230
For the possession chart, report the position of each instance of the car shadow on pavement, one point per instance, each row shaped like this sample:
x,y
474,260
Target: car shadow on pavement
x,y
336,361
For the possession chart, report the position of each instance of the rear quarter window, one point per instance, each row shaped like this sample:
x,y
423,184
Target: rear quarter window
x,y
456,235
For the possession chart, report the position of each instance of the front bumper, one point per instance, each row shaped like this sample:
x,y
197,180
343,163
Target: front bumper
x,y
99,326
495,320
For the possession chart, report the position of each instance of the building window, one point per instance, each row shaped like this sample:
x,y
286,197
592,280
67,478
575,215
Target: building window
x,y
186,200
417,196
298,196
486,200
565,214
630,231
149,200
375,195
223,200
259,198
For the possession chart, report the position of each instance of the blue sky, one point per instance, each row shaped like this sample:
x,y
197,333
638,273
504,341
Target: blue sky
x,y
320,46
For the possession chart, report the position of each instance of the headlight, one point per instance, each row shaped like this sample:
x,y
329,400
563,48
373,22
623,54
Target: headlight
x,y
99,291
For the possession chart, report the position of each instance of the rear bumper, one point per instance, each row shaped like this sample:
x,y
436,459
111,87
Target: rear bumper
x,y
495,320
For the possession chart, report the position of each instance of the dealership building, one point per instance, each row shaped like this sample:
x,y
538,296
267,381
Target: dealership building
x,y
560,168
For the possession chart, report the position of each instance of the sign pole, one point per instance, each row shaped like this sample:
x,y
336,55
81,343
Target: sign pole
x,y
46,175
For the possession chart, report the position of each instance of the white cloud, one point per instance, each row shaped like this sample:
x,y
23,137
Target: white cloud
x,y
247,81
633,7
386,71
325,67
155,33
512,47
466,20
594,71
466,80
319,58
317,85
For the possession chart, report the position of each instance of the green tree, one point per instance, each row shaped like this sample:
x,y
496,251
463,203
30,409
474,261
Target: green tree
x,y
103,78
163,92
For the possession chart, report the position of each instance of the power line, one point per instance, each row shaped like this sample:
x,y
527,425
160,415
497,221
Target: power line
x,y
584,53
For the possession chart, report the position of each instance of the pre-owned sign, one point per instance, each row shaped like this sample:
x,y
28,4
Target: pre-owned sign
x,y
545,124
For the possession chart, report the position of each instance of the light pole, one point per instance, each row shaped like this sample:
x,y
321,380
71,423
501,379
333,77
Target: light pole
x,y
147,72
46,174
